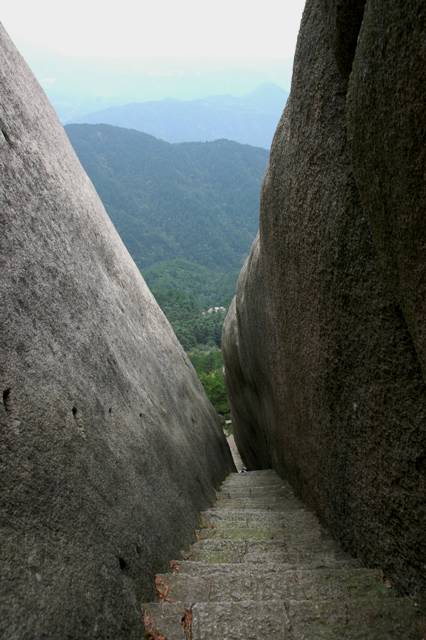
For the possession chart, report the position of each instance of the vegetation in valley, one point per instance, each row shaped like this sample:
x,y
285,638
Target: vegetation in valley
x,y
199,331
185,293
197,202
208,364
188,214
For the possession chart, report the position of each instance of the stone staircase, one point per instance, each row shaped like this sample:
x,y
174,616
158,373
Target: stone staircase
x,y
263,567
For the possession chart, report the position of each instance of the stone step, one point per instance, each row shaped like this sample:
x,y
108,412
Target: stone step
x,y
257,584
250,476
291,536
237,551
264,568
299,518
199,568
270,483
241,533
216,621
253,479
272,503
276,490
355,619
290,532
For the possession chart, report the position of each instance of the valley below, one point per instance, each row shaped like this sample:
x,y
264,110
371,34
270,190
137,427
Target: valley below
x,y
188,214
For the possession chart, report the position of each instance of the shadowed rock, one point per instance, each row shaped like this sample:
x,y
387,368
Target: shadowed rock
x,y
389,150
325,343
109,447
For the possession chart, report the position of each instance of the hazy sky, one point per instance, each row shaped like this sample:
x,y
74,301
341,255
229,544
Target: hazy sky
x,y
90,54
138,28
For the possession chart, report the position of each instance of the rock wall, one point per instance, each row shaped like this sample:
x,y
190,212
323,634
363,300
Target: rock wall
x,y
325,344
108,447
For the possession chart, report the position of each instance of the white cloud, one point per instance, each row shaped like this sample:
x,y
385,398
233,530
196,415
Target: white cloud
x,y
140,28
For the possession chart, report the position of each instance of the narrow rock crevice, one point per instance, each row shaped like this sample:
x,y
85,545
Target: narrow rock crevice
x,y
5,135
6,400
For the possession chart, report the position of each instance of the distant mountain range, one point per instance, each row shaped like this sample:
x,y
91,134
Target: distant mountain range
x,y
250,119
187,212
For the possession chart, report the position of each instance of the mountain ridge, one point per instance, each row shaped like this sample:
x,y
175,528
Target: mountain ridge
x,y
187,212
171,191
249,119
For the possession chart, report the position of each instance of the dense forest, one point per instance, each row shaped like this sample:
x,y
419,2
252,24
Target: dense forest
x,y
187,213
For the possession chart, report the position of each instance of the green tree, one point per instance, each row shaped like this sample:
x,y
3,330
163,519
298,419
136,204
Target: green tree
x,y
209,365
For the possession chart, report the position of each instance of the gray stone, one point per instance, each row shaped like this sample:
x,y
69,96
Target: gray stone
x,y
358,619
199,568
248,620
236,481
243,532
228,517
109,447
325,343
240,621
254,492
273,503
257,584
249,549
235,453
164,620
320,595
389,81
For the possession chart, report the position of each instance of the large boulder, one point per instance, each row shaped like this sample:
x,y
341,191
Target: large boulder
x,y
388,84
109,447
324,346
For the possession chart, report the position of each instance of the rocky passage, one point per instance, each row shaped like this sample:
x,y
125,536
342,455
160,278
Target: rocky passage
x,y
325,344
263,567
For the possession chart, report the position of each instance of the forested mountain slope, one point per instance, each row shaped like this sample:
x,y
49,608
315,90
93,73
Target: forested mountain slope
x,y
187,212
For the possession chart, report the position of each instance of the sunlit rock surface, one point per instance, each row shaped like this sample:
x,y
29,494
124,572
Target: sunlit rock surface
x,y
108,446
325,345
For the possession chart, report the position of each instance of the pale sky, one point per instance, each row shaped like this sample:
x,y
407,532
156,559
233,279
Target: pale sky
x,y
138,28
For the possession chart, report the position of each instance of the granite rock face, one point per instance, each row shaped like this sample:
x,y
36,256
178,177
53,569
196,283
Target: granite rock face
x,y
109,447
325,344
389,150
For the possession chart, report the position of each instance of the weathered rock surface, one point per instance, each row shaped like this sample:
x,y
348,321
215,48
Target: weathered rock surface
x,y
389,150
108,447
325,344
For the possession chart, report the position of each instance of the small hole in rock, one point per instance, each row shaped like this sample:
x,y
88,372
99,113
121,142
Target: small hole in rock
x,y
74,411
140,415
6,399
421,463
110,410
123,564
